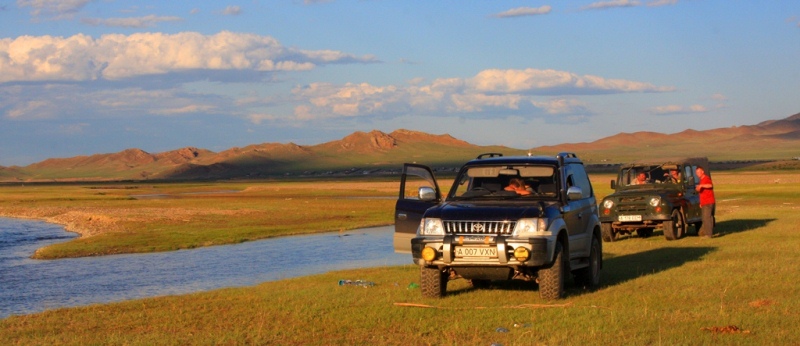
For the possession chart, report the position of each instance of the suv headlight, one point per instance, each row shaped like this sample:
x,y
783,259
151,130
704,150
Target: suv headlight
x,y
530,226
431,226
655,201
608,204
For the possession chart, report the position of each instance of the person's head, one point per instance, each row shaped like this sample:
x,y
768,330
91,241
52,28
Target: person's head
x,y
673,172
517,183
641,176
700,171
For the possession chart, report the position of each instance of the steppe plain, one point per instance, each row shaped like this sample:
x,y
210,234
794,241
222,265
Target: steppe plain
x,y
733,289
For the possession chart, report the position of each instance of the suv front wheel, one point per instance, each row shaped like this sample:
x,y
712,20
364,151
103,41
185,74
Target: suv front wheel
x,y
433,282
551,280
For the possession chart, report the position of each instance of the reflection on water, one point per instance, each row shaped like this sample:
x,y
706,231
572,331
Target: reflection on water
x,y
28,286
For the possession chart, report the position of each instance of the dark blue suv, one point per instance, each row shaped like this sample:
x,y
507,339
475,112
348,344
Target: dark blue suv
x,y
524,217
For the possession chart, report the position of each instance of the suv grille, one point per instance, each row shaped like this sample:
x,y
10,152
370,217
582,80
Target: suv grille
x,y
479,227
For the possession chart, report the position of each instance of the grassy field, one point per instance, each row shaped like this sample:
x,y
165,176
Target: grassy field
x,y
734,289
137,218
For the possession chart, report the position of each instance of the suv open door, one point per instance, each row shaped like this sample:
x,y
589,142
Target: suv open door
x,y
418,192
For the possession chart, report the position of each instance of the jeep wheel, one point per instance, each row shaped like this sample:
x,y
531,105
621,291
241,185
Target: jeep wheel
x,y
551,280
607,232
433,282
675,227
589,277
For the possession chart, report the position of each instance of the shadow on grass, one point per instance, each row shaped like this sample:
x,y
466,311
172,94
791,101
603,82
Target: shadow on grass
x,y
727,227
619,269
624,268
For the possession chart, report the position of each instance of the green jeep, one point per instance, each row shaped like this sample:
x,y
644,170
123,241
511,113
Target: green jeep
x,y
653,194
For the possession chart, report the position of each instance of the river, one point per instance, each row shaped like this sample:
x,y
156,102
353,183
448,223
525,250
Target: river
x,y
29,286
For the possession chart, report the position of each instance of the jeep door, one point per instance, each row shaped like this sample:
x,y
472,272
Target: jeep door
x,y
580,214
411,205
693,212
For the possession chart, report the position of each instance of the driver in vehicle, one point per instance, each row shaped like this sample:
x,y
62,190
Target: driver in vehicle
x,y
518,185
641,178
673,176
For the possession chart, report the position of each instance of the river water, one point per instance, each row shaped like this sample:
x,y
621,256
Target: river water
x,y
29,286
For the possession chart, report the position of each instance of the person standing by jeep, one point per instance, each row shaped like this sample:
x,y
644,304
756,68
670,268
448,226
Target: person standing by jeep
x,y
707,202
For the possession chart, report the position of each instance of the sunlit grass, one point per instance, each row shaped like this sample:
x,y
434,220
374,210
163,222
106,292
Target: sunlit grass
x,y
653,292
161,217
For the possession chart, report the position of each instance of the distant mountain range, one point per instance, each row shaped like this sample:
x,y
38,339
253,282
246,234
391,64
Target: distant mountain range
x,y
378,152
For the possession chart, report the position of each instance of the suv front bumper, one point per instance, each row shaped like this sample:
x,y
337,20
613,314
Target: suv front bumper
x,y
446,247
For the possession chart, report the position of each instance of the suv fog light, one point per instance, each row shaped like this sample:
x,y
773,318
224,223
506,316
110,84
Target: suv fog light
x,y
521,254
428,254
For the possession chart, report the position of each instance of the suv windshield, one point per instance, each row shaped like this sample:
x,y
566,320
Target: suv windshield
x,y
505,181
646,175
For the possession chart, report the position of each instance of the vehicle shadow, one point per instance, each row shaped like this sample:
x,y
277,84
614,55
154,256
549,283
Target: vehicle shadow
x,y
727,227
624,268
619,269
720,229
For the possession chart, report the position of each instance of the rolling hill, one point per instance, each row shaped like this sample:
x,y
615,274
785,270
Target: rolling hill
x,y
379,152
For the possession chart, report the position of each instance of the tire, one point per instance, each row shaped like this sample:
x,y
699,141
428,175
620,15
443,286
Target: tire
x,y
607,232
675,228
551,280
589,277
433,282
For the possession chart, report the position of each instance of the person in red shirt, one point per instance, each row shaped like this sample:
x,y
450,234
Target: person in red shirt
x,y
707,203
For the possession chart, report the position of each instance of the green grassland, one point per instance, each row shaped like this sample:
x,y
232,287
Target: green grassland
x,y
735,289
133,218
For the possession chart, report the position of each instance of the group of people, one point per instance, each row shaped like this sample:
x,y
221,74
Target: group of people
x,y
705,189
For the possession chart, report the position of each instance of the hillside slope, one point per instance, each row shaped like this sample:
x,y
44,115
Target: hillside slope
x,y
376,151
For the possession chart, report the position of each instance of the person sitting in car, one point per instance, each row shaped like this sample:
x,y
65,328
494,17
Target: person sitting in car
x,y
640,179
518,185
672,176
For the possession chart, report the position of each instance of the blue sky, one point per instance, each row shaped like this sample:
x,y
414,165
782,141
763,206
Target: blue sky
x,y
80,77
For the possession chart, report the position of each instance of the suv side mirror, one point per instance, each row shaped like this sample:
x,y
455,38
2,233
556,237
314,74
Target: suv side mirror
x,y
427,194
574,193
613,185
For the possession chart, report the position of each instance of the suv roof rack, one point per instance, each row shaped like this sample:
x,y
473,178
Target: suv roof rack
x,y
567,155
489,155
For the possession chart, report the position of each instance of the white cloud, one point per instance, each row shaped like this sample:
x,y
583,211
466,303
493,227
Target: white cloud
x,y
601,5
562,106
57,9
489,90
258,118
115,56
132,22
232,11
657,3
545,81
524,11
188,109
677,109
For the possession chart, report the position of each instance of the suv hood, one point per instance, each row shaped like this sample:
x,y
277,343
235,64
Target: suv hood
x,y
486,212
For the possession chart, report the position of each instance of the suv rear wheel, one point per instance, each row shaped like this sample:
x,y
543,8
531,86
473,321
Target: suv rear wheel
x,y
551,280
433,282
589,277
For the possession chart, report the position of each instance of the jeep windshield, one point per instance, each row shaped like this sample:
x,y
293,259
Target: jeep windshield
x,y
648,175
505,182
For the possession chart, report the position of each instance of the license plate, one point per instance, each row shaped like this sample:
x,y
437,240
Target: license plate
x,y
466,251
630,218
